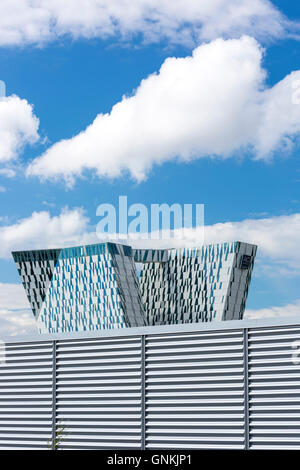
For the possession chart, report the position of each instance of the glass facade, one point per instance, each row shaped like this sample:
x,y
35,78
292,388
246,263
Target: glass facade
x,y
96,286
82,288
198,285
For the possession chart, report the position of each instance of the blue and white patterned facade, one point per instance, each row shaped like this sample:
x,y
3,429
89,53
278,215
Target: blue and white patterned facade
x,y
197,285
96,286
84,288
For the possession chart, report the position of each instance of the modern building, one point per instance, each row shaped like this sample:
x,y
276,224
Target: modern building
x,y
97,286
205,284
83,288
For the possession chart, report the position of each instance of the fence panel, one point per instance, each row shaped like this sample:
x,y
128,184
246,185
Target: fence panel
x,y
98,392
195,390
26,396
274,388
200,389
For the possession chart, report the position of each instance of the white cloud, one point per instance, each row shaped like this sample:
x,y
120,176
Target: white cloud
x,y
16,317
16,323
289,310
7,172
178,21
212,104
18,127
48,204
2,189
12,297
40,230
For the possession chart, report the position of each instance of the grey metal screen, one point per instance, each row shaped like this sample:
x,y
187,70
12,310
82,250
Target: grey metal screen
x,y
274,387
195,390
98,392
231,385
26,396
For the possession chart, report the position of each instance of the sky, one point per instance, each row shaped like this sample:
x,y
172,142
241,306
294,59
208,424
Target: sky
x,y
181,101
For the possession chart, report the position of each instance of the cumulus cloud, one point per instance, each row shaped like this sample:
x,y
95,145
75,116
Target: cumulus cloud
x,y
7,172
212,104
177,21
289,310
15,314
13,297
16,323
40,230
18,127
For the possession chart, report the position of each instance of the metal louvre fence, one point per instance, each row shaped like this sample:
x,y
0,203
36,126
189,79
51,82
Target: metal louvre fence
x,y
195,390
26,394
274,388
98,392
234,385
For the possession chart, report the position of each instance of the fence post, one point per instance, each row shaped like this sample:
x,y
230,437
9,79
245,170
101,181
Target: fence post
x,y
53,395
246,390
143,394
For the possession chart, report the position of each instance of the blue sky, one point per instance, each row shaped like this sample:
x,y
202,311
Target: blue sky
x,y
71,74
